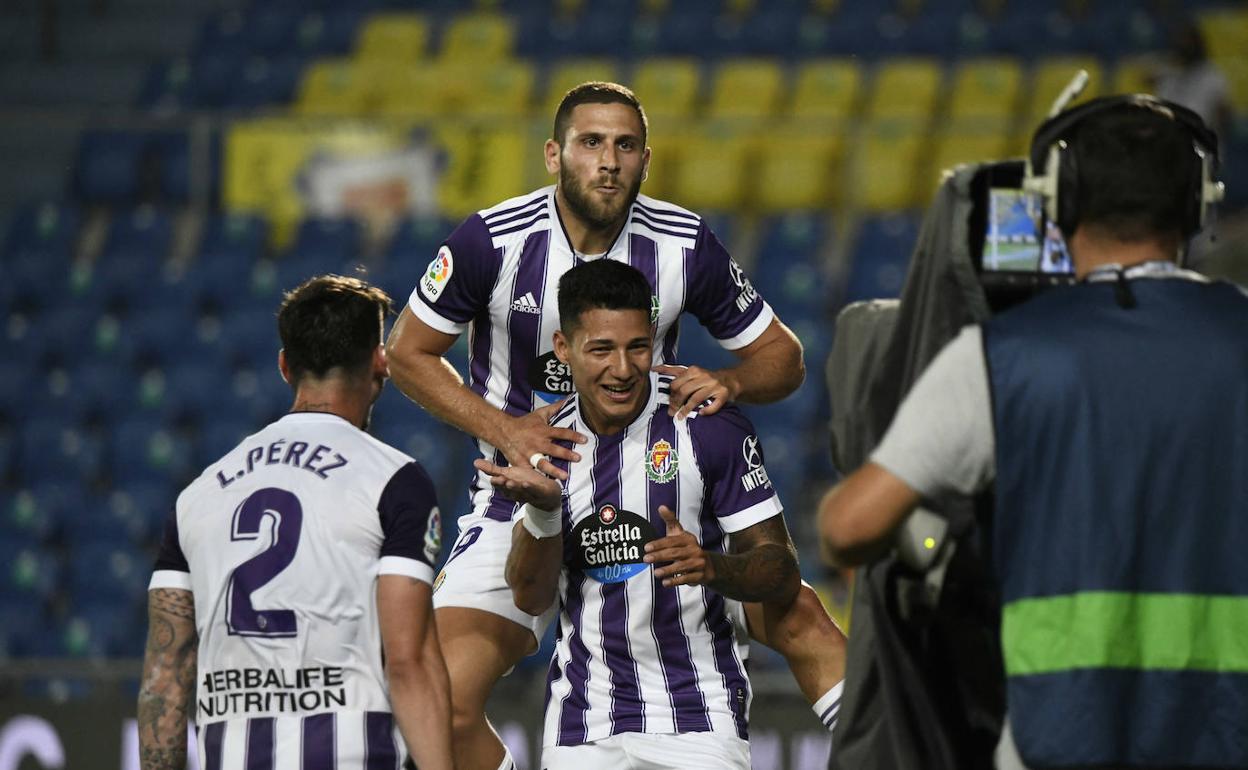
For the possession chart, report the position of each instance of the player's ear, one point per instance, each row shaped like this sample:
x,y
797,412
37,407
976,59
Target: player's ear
x,y
551,151
645,164
381,367
561,346
282,366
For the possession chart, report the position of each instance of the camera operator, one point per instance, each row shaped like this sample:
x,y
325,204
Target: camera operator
x,y
1111,419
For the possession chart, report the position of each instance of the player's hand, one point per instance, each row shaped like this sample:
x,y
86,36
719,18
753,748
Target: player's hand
x,y
690,565
523,484
693,385
531,435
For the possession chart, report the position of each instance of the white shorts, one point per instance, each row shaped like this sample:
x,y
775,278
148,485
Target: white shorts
x,y
473,576
650,751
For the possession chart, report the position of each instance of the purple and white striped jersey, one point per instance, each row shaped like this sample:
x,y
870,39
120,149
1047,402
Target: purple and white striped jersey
x,y
631,655
497,277
281,542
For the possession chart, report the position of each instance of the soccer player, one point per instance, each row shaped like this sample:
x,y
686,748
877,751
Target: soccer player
x,y
288,568
651,544
496,277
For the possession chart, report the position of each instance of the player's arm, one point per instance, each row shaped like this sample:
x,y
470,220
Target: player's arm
x,y
420,689
416,353
761,567
859,517
168,684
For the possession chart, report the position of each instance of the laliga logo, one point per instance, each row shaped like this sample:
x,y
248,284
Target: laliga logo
x,y
606,514
749,451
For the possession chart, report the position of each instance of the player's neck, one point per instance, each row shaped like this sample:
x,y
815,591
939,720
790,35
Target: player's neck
x,y
350,404
1091,248
584,237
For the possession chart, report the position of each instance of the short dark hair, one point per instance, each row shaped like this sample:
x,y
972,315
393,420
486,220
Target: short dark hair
x,y
330,322
596,92
1137,171
604,284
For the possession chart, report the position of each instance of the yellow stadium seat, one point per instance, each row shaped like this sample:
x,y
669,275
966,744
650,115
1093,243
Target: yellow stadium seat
x,y
335,87
884,166
1236,71
905,88
986,91
746,89
798,169
1226,32
713,168
393,37
496,90
477,37
954,147
827,89
410,92
667,87
1051,75
569,73
1135,75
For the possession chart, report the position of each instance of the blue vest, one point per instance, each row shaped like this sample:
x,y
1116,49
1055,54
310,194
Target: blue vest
x,y
1121,529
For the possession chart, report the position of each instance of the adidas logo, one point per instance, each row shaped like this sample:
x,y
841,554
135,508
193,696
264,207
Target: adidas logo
x,y
526,304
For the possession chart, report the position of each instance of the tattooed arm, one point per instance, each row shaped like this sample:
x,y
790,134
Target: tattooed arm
x,y
169,665
762,566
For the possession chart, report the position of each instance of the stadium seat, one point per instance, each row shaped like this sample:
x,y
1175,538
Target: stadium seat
x,y
108,167
746,90
147,450
394,37
144,231
668,87
985,94
1225,30
498,91
54,446
266,82
712,171
795,235
23,622
1051,75
328,241
43,233
214,73
202,389
28,571
35,513
884,166
336,87
965,145
826,90
217,436
905,88
413,244
112,629
799,167
144,508
564,74
236,239
101,573
881,256
477,37
327,32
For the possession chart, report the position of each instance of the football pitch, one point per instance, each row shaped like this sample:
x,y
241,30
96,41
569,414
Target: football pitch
x,y
1011,256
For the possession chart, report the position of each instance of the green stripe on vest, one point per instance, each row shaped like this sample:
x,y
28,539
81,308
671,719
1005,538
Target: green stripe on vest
x,y
1105,629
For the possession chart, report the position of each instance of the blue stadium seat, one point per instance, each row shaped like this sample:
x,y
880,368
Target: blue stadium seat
x,y
108,167
147,450
329,32
143,230
416,241
259,394
236,240
216,437
199,388
270,28
214,73
28,571
328,241
52,447
881,256
17,380
265,82
109,520
43,232
250,334
23,621
167,87
109,389
144,507
112,629
69,332
99,573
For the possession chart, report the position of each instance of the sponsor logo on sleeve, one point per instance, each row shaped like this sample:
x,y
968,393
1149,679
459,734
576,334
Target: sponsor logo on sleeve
x,y
433,535
661,462
440,269
746,294
609,546
756,476
550,378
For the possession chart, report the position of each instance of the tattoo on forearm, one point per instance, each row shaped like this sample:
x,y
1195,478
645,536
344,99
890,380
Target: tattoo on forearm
x,y
756,575
169,667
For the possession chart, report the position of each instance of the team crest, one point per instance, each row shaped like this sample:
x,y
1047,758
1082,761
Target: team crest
x,y
434,280
661,462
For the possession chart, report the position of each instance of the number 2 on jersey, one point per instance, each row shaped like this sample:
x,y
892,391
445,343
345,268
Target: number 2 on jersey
x,y
286,521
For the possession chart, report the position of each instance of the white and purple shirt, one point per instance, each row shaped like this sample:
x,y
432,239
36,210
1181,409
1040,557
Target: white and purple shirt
x,y
497,277
281,542
631,655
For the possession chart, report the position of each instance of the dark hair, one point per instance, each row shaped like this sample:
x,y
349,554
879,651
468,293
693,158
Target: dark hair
x,y
604,284
330,322
1138,172
596,92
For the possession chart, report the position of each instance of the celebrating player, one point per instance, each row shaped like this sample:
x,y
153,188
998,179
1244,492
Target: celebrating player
x,y
496,276
291,564
651,543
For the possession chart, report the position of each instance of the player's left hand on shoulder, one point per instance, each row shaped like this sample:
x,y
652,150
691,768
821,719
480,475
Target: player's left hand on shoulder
x,y
693,386
689,564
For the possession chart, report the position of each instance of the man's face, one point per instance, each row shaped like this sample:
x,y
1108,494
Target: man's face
x,y
609,353
601,162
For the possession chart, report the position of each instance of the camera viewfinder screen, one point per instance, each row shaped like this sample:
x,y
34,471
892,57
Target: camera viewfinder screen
x,y
1011,243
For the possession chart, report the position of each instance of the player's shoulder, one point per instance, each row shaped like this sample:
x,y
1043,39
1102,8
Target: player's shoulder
x,y
727,423
516,214
566,414
665,219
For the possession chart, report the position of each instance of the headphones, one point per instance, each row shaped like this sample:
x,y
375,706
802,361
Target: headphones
x,y
1058,182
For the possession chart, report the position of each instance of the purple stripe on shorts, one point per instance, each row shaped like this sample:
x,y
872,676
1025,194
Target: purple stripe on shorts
x,y
259,744
626,705
675,654
214,735
379,750
720,626
572,725
319,742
